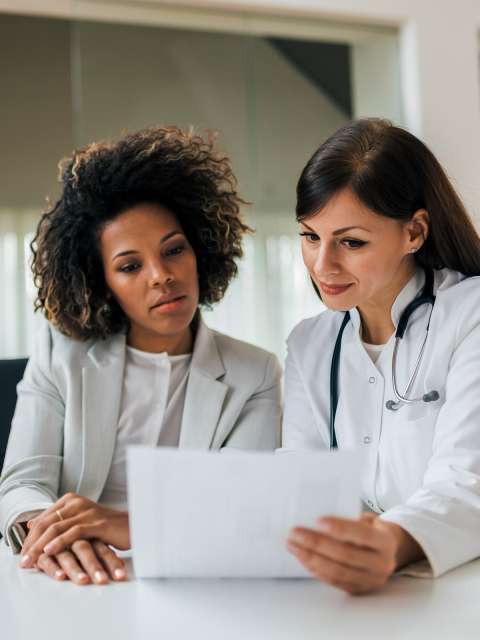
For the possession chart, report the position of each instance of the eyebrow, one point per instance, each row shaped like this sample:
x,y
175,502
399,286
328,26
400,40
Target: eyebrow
x,y
129,252
337,232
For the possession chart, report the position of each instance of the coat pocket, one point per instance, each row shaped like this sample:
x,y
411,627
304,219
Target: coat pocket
x,y
419,410
410,449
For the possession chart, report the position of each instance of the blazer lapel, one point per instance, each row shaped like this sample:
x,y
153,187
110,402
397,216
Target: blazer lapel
x,y
102,380
205,392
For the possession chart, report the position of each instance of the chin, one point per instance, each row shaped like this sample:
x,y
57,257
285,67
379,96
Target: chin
x,y
338,305
170,326
172,323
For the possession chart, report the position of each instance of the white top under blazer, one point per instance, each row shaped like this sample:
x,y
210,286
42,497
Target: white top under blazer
x,y
153,397
423,461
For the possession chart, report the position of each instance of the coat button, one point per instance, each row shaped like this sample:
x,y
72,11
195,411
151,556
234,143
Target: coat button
x,y
372,379
367,440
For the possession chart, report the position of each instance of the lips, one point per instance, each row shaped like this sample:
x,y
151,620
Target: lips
x,y
334,289
165,300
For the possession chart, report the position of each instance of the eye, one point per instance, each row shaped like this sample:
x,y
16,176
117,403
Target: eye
x,y
128,268
353,244
175,251
311,237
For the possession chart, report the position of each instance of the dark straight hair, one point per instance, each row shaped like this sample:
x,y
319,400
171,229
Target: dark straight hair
x,y
394,174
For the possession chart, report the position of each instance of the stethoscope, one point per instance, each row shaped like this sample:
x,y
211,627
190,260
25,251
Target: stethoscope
x,y
426,297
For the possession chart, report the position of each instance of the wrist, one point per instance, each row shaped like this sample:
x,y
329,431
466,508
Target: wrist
x,y
117,529
407,549
125,530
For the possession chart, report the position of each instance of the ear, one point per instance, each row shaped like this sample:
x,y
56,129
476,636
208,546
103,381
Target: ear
x,y
417,229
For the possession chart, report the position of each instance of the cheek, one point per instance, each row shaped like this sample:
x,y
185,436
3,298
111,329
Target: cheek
x,y
364,265
376,268
123,289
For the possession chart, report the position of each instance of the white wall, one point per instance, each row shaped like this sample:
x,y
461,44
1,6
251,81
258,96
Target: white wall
x,y
376,79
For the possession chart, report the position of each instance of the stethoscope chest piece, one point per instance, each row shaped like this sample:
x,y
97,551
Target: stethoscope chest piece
x,y
431,396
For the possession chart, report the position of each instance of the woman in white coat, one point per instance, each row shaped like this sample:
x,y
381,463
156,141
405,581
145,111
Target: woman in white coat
x,y
380,226
146,230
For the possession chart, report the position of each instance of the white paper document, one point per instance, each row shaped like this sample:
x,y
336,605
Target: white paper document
x,y
212,514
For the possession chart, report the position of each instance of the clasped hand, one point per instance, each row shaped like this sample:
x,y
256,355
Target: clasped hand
x,y
76,546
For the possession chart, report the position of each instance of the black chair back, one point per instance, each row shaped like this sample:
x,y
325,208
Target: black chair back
x,y
11,372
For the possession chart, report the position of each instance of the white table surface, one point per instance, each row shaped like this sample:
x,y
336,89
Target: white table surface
x,y
35,607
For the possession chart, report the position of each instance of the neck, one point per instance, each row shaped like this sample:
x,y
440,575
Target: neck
x,y
174,345
377,324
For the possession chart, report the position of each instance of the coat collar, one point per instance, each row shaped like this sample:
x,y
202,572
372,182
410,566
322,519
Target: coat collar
x,y
205,394
102,385
406,295
206,357
102,353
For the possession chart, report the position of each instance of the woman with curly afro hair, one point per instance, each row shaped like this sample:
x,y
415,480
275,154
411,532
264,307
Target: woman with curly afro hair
x,y
146,231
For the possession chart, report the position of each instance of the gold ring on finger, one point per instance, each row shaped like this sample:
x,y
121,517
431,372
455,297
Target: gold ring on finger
x,y
59,514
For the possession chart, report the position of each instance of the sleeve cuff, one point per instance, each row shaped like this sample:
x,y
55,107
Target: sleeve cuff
x,y
14,533
429,567
420,569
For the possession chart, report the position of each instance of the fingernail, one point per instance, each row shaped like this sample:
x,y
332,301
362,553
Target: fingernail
x,y
296,536
99,576
59,574
25,561
81,576
119,574
48,548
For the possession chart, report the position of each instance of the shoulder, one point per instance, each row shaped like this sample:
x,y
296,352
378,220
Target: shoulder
x,y
53,347
246,361
452,285
458,299
318,329
50,343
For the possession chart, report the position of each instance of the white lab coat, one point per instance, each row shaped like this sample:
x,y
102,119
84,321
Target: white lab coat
x,y
423,461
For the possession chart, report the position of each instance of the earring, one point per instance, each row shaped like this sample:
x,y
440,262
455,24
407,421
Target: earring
x,y
414,250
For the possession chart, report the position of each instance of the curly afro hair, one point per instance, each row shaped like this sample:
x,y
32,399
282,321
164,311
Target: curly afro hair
x,y
177,169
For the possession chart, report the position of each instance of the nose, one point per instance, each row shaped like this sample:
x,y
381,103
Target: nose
x,y
159,275
326,262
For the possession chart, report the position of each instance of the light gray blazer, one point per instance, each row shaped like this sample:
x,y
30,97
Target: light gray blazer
x,y
65,423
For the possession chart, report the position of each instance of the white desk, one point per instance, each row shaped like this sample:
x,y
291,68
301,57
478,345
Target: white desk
x,y
34,607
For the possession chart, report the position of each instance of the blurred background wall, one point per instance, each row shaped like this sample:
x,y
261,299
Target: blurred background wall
x,y
273,78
